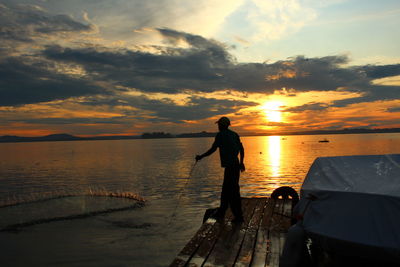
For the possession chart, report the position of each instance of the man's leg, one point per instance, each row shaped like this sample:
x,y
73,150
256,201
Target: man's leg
x,y
235,199
224,195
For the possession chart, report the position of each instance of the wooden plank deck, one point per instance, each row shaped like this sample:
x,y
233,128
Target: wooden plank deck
x,y
257,242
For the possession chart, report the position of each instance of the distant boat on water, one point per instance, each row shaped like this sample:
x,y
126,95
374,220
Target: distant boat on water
x,y
323,141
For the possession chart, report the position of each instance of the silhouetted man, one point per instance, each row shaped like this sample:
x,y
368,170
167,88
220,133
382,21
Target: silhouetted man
x,y
229,146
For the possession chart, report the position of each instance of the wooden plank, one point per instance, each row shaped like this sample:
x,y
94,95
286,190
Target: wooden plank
x,y
246,251
226,246
178,262
224,241
262,246
242,232
287,215
279,216
267,219
191,247
256,242
273,256
282,238
278,233
204,250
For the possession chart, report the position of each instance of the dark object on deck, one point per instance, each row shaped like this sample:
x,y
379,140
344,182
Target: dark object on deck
x,y
258,241
287,192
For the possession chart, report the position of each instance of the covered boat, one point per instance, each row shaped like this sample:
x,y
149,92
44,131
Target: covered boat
x,y
350,207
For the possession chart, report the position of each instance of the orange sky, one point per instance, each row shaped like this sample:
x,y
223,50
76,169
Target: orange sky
x,y
268,115
95,73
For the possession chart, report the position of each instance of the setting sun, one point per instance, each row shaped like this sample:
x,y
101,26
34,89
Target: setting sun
x,y
272,110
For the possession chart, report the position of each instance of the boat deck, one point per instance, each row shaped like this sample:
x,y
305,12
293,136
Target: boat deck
x,y
256,242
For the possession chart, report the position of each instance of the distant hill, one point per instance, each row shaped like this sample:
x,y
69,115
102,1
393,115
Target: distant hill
x,y
59,137
155,135
201,134
51,137
68,137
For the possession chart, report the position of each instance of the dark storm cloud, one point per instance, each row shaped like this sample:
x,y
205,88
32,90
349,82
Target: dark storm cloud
x,y
206,66
60,121
196,108
358,119
25,22
23,83
370,94
310,106
216,52
27,78
381,71
394,109
198,68
200,108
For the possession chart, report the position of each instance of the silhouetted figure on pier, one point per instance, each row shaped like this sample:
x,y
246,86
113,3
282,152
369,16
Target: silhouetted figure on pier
x,y
230,147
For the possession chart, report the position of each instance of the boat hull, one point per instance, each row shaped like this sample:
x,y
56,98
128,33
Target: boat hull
x,y
344,253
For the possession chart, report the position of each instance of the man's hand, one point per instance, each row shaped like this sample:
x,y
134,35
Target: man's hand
x,y
198,157
242,167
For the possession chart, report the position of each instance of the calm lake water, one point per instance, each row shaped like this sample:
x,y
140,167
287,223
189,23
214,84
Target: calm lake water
x,y
156,169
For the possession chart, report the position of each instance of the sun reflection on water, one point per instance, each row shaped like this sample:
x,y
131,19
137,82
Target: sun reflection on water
x,y
266,162
274,155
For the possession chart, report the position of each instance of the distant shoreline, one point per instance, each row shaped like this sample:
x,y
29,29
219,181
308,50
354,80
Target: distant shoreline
x,y
161,135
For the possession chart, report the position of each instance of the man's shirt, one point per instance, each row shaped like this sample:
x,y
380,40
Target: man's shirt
x,y
229,146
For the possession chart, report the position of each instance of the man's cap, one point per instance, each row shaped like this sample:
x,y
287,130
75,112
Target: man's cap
x,y
224,121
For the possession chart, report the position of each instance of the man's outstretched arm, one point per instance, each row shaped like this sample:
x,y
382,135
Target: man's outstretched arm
x,y
208,153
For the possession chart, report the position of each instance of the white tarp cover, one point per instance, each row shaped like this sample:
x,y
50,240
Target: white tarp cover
x,y
357,199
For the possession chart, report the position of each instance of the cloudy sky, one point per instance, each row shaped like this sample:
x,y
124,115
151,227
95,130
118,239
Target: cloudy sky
x,y
100,67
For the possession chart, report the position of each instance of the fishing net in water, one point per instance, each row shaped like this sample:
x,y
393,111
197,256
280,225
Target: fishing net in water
x,y
15,214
